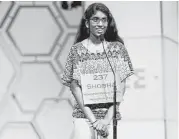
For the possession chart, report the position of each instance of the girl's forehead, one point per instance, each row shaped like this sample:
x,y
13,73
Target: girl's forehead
x,y
99,14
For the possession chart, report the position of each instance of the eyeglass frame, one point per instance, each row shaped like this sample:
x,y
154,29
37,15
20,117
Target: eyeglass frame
x,y
98,20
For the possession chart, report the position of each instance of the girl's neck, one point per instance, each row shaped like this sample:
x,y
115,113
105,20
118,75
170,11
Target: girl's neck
x,y
95,39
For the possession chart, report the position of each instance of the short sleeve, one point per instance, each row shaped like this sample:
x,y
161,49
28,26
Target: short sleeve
x,y
67,75
126,67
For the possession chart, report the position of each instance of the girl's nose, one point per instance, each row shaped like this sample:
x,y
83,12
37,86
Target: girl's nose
x,y
100,23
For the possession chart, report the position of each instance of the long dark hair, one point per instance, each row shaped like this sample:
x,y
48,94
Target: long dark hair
x,y
111,33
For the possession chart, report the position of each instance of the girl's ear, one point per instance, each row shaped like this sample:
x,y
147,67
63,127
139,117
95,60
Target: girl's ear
x,y
87,24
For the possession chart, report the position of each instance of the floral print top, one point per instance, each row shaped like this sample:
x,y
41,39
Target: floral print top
x,y
83,61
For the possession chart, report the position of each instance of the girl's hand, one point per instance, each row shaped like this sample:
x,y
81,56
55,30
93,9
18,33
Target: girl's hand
x,y
104,131
101,127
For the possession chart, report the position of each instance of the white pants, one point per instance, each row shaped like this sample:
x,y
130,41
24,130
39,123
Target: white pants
x,y
82,130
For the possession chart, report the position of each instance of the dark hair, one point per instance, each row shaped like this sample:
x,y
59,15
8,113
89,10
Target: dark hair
x,y
111,32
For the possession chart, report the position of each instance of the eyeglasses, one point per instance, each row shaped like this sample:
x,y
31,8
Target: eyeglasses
x,y
96,20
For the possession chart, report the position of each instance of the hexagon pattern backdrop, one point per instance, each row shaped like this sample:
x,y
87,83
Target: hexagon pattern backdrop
x,y
35,38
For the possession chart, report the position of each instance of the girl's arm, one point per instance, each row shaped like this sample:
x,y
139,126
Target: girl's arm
x,y
109,115
76,90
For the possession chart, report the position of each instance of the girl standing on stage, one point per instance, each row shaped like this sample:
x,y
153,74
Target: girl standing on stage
x,y
87,56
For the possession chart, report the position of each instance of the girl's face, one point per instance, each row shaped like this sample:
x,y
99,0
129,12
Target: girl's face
x,y
98,24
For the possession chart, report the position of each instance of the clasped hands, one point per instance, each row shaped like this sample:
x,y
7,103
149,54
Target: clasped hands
x,y
101,126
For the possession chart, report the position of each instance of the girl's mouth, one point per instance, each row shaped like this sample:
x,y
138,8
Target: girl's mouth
x,y
99,30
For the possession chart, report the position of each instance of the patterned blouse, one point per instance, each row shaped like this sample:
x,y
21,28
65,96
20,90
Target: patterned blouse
x,y
83,61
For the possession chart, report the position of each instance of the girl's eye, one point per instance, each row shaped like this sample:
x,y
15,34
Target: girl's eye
x,y
95,19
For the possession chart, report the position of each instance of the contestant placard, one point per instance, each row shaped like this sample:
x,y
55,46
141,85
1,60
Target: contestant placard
x,y
99,88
